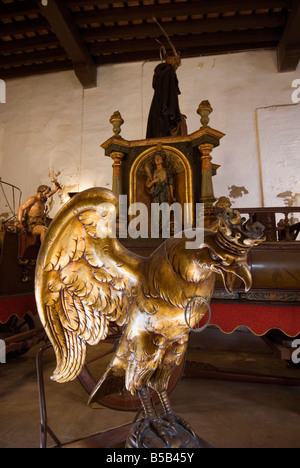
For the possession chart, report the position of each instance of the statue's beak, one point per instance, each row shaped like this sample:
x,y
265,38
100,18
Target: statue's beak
x,y
241,270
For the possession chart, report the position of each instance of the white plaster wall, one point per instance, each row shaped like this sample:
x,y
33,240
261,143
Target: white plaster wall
x,y
279,147
49,125
41,129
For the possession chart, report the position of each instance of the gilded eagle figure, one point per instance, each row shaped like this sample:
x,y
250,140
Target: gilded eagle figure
x,y
85,279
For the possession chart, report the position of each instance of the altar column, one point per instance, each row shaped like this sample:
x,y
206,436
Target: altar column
x,y
207,140
207,192
117,157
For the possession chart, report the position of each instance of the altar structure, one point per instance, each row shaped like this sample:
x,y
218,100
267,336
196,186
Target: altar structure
x,y
187,158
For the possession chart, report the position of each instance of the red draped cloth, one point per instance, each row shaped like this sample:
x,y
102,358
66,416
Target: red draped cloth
x,y
258,318
17,305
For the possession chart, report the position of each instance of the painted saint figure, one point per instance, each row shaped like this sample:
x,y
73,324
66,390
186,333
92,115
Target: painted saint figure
x,y
161,184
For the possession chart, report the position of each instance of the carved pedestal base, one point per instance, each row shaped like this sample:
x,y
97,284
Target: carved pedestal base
x,y
162,434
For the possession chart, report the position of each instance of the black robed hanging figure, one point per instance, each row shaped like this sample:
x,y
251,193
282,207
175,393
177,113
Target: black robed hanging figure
x,y
165,118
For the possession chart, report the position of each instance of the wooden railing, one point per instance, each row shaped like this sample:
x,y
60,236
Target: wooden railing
x,y
279,222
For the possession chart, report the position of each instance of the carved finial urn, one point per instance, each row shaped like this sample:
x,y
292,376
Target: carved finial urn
x,y
116,121
204,110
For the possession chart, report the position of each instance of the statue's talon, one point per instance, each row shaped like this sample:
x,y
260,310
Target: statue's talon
x,y
173,418
164,429
162,426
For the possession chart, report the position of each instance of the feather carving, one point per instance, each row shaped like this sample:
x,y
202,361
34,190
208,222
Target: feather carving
x,y
86,279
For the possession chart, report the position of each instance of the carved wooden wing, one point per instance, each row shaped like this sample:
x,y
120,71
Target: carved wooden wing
x,y
80,280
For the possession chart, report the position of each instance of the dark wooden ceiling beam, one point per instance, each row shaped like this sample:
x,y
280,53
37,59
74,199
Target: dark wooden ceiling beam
x,y
33,57
222,6
173,10
182,43
78,3
60,44
212,25
22,27
29,43
29,70
207,6
10,10
236,5
288,53
63,26
194,51
63,65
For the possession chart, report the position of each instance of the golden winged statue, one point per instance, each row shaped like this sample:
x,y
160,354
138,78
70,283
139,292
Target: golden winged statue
x,y
85,279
